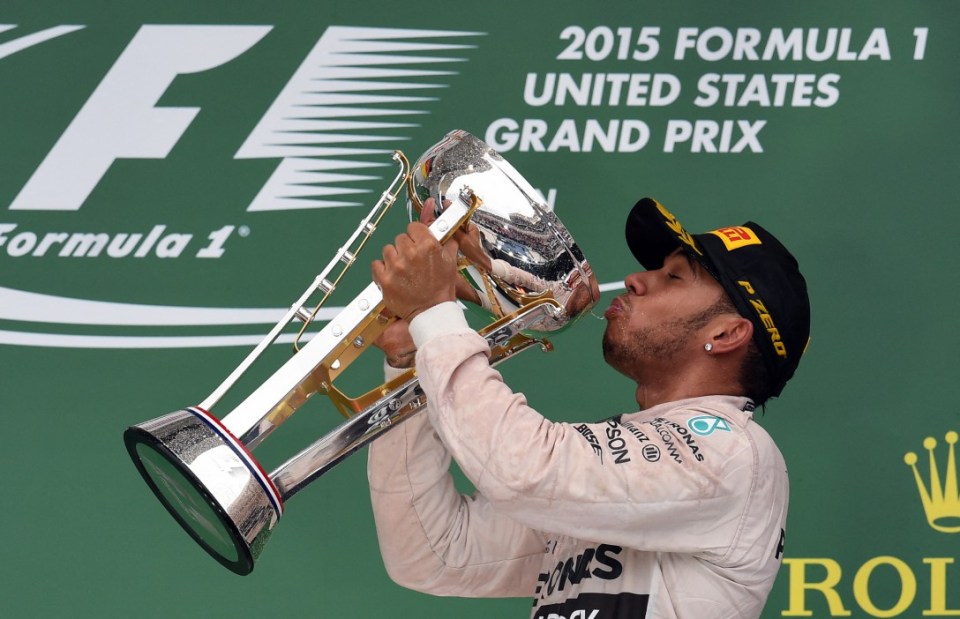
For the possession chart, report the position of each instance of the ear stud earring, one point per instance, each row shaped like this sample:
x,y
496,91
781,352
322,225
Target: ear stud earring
x,y
708,347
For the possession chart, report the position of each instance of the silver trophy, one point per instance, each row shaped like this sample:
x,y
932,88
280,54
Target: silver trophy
x,y
525,273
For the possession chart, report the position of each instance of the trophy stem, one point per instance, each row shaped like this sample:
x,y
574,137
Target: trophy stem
x,y
303,468
505,338
298,379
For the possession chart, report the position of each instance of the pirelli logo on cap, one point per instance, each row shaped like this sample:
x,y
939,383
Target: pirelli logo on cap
x,y
685,237
735,237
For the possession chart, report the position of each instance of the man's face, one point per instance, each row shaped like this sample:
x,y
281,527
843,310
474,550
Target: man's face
x,y
658,320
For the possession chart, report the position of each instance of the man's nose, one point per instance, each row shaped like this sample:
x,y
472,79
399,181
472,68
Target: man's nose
x,y
636,283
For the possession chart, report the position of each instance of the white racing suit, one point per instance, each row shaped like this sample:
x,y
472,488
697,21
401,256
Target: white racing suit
x,y
677,511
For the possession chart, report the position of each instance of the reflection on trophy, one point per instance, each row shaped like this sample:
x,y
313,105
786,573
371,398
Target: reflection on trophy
x,y
524,271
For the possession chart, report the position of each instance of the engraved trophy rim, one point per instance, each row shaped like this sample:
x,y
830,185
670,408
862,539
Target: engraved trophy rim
x,y
166,452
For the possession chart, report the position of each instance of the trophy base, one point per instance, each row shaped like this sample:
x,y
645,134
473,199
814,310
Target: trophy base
x,y
209,483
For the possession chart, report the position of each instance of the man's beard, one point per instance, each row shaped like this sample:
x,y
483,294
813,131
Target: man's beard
x,y
661,343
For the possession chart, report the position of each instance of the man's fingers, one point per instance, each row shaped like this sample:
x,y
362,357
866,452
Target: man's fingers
x,y
377,269
404,243
419,233
389,254
428,212
450,250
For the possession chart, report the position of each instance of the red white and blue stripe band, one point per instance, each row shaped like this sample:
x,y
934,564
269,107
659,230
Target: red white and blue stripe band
x,y
241,450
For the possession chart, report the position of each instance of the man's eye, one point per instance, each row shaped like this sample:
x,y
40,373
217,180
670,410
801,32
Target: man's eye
x,y
673,276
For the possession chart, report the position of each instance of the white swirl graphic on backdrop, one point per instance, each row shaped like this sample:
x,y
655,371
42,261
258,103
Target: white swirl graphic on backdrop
x,y
25,306
22,306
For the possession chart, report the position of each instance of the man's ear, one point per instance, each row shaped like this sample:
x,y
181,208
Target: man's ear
x,y
730,332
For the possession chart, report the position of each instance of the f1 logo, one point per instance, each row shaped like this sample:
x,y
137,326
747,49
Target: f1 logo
x,y
303,127
121,118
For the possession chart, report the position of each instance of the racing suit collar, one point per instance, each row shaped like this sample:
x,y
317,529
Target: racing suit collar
x,y
736,409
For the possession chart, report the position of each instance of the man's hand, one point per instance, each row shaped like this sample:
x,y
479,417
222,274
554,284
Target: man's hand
x,y
416,272
467,237
397,344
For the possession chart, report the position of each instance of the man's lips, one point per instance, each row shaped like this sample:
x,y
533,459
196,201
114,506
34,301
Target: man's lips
x,y
616,307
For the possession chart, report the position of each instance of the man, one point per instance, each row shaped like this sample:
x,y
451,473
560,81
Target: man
x,y
675,511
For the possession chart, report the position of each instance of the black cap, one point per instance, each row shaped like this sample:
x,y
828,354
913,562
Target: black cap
x,y
759,274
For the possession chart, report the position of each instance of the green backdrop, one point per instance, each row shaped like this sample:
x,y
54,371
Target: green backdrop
x,y
165,157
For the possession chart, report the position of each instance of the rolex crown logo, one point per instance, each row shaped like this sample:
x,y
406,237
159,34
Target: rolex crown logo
x,y
941,500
